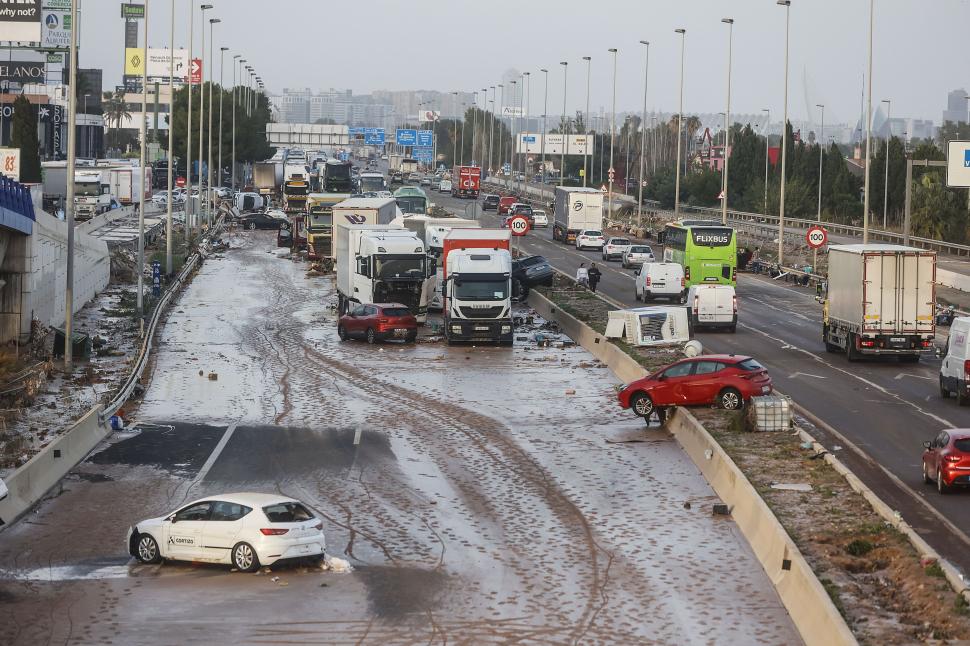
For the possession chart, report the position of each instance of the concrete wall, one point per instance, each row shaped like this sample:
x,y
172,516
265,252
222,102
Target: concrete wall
x,y
31,481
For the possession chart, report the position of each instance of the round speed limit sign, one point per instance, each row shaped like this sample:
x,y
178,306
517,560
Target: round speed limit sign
x,y
816,237
519,225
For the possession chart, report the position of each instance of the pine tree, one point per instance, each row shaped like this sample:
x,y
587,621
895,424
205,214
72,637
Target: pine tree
x,y
23,135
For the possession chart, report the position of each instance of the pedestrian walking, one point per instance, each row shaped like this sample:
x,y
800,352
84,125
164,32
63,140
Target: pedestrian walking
x,y
582,275
594,275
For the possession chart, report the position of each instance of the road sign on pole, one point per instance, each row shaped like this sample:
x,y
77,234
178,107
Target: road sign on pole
x,y
816,237
611,174
958,164
519,225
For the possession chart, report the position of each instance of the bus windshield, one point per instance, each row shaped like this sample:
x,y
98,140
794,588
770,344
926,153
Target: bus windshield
x,y
372,183
412,203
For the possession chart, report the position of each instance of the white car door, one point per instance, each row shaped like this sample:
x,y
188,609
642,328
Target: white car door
x,y
223,528
183,533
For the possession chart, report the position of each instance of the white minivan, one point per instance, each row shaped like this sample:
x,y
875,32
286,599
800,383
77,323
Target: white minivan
x,y
660,280
954,373
713,306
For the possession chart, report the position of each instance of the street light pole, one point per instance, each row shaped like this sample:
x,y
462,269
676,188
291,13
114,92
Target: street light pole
x,y
865,199
589,65
821,149
784,142
202,57
171,135
528,109
69,206
764,131
545,111
680,124
208,169
501,123
491,131
140,296
454,138
643,130
612,50
515,97
235,67
562,162
187,205
889,136
727,123
222,64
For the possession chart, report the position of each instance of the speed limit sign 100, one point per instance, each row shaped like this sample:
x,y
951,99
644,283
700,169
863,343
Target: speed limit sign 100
x,y
816,237
519,225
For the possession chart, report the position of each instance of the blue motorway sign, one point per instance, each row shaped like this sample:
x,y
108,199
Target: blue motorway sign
x,y
406,137
374,136
506,168
425,138
529,139
423,153
344,156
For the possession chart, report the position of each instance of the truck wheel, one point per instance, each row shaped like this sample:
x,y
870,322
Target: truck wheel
x,y
850,349
639,297
961,395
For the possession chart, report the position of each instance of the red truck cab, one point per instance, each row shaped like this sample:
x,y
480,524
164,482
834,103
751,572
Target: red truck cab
x,y
466,182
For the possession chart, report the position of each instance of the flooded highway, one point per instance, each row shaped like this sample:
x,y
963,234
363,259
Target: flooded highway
x,y
481,494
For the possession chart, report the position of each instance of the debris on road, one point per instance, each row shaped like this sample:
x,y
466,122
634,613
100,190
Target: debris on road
x,y
798,486
336,565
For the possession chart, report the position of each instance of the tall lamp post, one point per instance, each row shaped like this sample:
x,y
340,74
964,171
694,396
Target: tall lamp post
x,y
208,170
865,199
140,296
821,150
545,111
589,66
198,204
69,206
171,137
222,62
643,130
727,123
235,67
528,109
562,162
680,124
454,137
515,96
764,131
889,136
612,50
501,123
784,142
491,130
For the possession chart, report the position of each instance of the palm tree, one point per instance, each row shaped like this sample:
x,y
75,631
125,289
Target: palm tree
x,y
115,109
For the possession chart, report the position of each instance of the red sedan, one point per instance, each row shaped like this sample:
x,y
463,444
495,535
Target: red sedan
x,y
726,380
946,460
378,321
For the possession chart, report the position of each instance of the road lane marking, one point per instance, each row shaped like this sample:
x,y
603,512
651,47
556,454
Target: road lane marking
x,y
805,374
216,452
907,374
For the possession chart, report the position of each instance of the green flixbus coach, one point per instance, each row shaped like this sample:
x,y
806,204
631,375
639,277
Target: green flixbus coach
x,y
708,252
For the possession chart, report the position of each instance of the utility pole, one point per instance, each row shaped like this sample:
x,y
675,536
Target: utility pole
x,y
140,296
680,124
727,124
69,206
784,142
643,131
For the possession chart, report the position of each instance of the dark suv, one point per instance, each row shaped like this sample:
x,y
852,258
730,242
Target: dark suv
x,y
523,209
531,271
490,202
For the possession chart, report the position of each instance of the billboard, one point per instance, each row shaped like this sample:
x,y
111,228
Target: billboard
x,y
10,163
426,116
196,71
158,62
406,137
511,111
958,164
22,71
133,11
531,144
20,22
56,32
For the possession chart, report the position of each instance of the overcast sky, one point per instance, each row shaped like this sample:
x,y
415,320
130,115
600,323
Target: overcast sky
x,y
919,50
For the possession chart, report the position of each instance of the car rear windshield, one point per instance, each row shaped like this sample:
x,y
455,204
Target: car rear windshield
x,y
532,260
640,250
287,512
962,445
750,365
592,233
620,241
396,311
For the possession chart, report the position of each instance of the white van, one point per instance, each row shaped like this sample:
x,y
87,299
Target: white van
x,y
713,306
660,280
954,373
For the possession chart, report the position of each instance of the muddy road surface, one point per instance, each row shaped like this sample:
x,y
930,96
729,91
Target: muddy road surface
x,y
482,495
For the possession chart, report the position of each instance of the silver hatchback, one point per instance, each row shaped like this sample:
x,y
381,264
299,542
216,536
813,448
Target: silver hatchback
x,y
637,255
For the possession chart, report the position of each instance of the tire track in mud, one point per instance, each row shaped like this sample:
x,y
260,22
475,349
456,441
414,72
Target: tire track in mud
x,y
480,461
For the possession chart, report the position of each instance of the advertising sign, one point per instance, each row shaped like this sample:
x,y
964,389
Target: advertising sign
x,y
20,21
195,71
406,137
159,63
426,116
55,57
511,111
56,32
10,163
958,164
531,144
425,138
22,71
132,11
131,34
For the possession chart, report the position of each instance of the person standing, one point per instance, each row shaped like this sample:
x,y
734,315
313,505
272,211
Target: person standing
x,y
594,275
582,275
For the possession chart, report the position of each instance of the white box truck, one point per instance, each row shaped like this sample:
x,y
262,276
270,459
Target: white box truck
x,y
477,287
433,232
576,209
881,300
365,210
127,184
380,264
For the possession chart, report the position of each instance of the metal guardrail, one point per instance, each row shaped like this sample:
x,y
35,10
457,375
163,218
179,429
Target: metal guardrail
x,y
129,386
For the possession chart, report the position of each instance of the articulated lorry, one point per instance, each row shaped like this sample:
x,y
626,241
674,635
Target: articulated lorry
x,y
881,300
477,287
268,178
319,223
576,209
336,177
466,181
380,264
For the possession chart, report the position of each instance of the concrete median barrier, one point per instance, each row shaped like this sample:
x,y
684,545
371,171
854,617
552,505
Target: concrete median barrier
x,y
41,473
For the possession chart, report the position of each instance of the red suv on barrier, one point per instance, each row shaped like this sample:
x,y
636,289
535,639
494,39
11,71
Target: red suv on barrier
x,y
946,460
378,322
723,379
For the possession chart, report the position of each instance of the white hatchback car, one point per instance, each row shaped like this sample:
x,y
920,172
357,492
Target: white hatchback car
x,y
615,248
590,239
539,218
245,530
637,255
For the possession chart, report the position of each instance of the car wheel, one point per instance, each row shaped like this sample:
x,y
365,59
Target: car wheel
x,y
944,393
342,333
642,405
147,549
252,226
730,399
926,476
639,296
942,487
371,337
244,558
